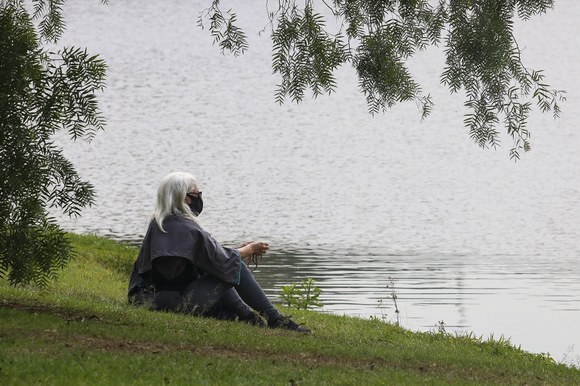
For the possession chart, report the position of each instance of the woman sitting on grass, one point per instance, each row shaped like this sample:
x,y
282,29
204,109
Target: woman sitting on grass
x,y
182,268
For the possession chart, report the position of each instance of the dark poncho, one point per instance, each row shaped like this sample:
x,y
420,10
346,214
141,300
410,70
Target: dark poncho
x,y
183,239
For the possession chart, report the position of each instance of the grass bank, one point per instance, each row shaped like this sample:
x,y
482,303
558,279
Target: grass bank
x,y
80,330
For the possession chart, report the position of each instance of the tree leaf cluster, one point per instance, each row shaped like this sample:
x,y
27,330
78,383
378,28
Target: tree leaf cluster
x,y
378,37
41,93
304,54
223,28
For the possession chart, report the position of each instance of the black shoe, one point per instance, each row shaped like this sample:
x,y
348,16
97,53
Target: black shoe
x,y
253,319
286,323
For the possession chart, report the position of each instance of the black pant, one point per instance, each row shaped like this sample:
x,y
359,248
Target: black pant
x,y
212,297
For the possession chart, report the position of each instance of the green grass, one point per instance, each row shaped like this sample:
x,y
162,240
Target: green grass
x,y
80,330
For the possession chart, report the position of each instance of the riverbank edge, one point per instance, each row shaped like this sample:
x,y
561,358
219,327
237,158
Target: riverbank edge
x,y
84,319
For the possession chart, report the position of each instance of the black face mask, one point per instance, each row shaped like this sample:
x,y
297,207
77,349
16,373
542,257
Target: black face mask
x,y
196,205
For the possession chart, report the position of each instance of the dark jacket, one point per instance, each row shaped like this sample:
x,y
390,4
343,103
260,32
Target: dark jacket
x,y
183,238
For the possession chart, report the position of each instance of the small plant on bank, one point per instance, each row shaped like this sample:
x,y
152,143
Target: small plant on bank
x,y
441,328
394,296
382,307
302,296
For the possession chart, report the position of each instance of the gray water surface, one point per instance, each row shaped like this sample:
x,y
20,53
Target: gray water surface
x,y
463,236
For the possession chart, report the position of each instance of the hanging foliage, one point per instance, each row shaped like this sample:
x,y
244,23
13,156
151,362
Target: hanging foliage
x,y
377,37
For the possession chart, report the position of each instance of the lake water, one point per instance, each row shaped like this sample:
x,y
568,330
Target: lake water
x,y
464,235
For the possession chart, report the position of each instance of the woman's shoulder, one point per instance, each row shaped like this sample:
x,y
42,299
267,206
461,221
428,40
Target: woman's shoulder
x,y
181,222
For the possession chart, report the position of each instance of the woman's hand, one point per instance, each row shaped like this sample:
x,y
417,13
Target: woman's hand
x,y
259,247
253,248
252,251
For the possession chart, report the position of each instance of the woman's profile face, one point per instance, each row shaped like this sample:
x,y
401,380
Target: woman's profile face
x,y
192,194
194,201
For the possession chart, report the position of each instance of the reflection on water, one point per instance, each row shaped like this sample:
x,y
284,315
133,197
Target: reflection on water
x,y
468,294
467,236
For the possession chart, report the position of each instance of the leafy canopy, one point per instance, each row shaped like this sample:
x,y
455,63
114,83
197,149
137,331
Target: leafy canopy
x,y
377,37
41,92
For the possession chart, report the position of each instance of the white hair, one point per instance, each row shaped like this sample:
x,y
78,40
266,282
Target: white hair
x,y
171,197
